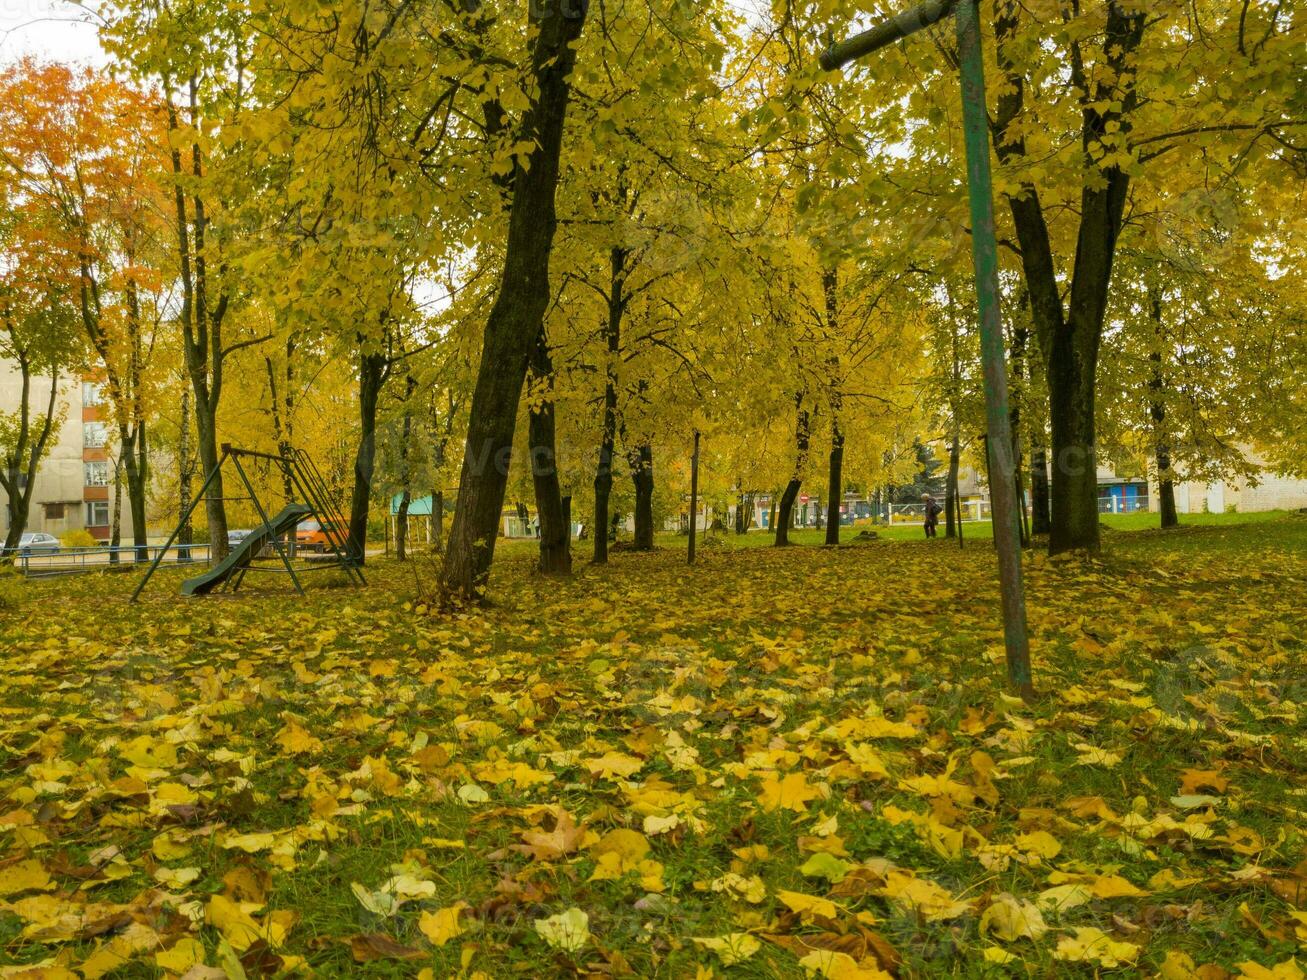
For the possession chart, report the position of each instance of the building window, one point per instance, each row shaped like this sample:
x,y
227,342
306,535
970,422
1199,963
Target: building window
x,y
94,435
97,513
54,512
92,394
97,474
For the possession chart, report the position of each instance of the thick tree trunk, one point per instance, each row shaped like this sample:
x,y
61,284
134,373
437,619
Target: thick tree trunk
x,y
405,472
694,499
215,509
835,485
116,521
642,476
1157,411
185,471
608,437
555,520
134,462
802,441
1069,336
401,525
1020,339
952,502
1074,515
517,316
438,520
372,376
1041,521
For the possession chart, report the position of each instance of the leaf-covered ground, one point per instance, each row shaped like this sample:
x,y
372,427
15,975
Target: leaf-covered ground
x,y
775,763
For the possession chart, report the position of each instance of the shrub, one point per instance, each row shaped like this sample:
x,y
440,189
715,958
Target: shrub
x,y
79,538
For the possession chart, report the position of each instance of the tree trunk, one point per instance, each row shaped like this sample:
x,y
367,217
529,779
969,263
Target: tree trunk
x,y
642,475
1157,411
1020,339
401,525
802,440
1074,516
608,437
438,520
185,471
116,523
517,316
405,473
215,510
952,502
694,499
372,376
1041,521
835,487
133,458
1070,336
555,521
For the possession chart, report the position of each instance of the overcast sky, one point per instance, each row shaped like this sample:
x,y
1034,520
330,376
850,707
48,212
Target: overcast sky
x,y
49,29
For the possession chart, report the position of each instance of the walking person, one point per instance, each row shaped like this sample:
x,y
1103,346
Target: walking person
x,y
932,515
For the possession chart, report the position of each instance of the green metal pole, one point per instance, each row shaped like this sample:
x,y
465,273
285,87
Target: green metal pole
x,y
984,250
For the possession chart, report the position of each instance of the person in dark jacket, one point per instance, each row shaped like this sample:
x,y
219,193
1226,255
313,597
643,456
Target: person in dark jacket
x,y
933,510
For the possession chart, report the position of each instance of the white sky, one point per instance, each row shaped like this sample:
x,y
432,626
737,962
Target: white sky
x,y
53,30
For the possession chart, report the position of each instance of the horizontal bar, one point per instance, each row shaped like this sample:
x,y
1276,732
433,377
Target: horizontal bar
x,y
887,32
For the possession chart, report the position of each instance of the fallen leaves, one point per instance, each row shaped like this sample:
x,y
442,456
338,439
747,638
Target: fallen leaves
x,y
654,787
568,930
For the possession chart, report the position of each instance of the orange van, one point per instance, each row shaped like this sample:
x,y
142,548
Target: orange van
x,y
312,535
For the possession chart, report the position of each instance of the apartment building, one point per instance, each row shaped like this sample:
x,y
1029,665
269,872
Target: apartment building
x,y
75,481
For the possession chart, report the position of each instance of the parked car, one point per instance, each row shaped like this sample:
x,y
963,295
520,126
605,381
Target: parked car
x,y
37,543
312,535
236,537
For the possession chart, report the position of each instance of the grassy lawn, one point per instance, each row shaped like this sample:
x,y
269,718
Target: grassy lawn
x,y
775,763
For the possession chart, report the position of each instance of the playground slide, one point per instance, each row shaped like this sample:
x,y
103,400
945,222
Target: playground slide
x,y
241,555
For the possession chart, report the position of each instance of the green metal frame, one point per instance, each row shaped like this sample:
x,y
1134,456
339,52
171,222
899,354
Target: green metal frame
x,y
984,252
307,482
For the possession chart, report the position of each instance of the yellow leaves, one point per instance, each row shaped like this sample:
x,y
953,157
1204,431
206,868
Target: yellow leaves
x,y
1010,918
736,947
1194,781
183,955
1041,843
25,876
919,896
1092,945
1287,970
134,939
394,893
614,764
789,792
750,889
568,931
295,739
808,906
501,770
149,753
1091,755
835,965
551,845
443,924
235,920
622,851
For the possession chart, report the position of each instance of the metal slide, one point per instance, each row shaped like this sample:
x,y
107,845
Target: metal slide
x,y
241,555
